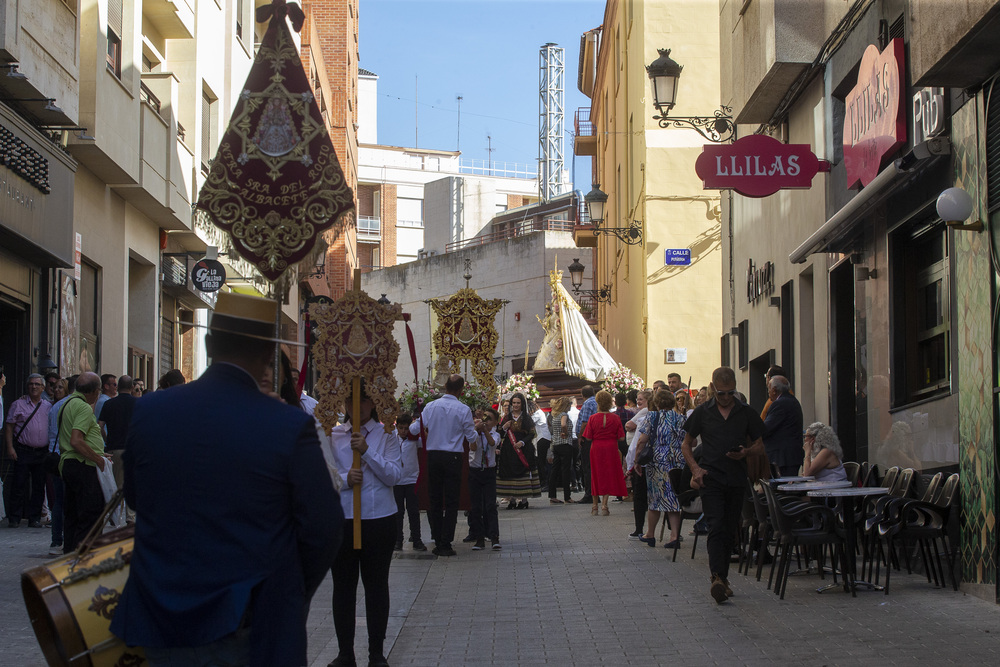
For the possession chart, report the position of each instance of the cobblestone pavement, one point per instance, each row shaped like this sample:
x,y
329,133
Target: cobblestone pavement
x,y
570,589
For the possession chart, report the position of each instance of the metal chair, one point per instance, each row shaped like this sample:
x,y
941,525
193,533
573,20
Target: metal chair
x,y
852,469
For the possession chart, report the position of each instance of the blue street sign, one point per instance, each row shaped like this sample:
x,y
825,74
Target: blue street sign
x,y
678,257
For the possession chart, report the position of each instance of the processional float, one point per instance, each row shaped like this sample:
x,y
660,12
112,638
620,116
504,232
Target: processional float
x,y
274,188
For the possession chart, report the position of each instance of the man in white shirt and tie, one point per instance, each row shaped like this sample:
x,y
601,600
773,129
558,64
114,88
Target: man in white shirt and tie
x,y
483,519
449,426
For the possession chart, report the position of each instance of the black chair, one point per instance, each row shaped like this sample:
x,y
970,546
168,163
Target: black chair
x,y
853,470
690,509
923,522
806,525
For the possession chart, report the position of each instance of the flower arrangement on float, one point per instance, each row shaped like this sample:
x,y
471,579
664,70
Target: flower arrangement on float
x,y
620,379
520,383
415,397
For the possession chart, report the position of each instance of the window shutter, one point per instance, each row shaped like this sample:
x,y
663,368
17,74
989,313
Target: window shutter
x,y
993,147
115,12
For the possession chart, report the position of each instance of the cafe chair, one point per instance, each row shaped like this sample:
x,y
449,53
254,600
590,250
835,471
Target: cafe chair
x,y
806,525
690,509
898,482
922,522
853,469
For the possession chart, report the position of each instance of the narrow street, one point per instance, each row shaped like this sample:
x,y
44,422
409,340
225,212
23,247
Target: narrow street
x,y
570,589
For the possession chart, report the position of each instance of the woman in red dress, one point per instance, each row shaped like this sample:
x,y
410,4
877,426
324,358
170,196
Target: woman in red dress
x,y
605,430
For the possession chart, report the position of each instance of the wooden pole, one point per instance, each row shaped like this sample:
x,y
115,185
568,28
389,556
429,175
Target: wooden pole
x,y
356,428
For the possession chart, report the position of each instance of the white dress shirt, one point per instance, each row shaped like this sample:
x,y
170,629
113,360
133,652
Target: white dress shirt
x,y
630,437
380,469
308,403
486,446
408,458
541,425
449,424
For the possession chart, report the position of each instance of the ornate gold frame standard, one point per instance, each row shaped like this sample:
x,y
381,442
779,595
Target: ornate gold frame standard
x,y
354,338
465,331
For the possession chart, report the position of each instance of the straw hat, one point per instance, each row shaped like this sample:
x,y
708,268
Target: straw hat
x,y
249,316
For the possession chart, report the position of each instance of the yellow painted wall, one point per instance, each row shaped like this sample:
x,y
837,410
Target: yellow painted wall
x,y
648,174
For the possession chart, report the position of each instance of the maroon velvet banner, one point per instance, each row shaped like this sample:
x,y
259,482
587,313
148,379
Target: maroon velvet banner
x,y
276,183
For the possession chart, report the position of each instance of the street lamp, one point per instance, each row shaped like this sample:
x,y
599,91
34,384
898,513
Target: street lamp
x,y
596,200
602,295
664,73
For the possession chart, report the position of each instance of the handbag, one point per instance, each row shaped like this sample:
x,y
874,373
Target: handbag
x,y
645,457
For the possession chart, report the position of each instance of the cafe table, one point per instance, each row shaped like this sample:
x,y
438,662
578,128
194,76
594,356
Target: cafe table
x,y
847,512
791,478
804,487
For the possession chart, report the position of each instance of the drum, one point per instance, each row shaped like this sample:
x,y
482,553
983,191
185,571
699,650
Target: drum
x,y
72,599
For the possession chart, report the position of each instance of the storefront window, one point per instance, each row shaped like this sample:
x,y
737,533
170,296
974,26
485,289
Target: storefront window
x,y
922,318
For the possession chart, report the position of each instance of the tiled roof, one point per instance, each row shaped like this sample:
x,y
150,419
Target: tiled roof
x,y
364,72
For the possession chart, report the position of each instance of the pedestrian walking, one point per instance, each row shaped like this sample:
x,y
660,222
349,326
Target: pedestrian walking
x,y
724,425
27,437
483,520
604,429
517,465
405,490
562,450
380,471
81,450
449,426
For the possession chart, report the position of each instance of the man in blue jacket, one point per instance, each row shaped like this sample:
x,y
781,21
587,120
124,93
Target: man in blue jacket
x,y
237,521
783,427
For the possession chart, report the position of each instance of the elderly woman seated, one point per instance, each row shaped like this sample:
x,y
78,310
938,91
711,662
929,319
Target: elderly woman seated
x,y
824,457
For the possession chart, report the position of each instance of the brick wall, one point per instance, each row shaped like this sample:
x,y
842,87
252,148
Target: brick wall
x,y
330,46
389,225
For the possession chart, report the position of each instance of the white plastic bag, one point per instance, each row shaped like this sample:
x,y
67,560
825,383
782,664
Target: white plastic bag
x,y
109,488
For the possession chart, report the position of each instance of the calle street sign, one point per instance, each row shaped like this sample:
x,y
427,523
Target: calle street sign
x,y
677,257
758,166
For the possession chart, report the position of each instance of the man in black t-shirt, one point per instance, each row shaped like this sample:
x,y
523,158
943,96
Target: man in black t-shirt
x,y
725,426
116,413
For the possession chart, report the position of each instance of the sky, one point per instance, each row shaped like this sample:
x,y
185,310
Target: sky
x,y
426,53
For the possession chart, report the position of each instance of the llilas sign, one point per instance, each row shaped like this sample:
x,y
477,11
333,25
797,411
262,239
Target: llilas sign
x,y
758,166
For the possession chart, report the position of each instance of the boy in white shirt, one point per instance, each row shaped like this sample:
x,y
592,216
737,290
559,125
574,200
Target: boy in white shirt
x,y
406,490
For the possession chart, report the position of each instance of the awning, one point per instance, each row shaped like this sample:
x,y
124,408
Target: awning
x,y
889,180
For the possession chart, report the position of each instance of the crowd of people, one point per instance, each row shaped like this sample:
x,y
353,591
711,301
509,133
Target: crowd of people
x,y
54,446
255,476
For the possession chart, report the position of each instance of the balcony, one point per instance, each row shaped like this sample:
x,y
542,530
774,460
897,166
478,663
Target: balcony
x,y
584,136
176,271
547,225
369,229
173,19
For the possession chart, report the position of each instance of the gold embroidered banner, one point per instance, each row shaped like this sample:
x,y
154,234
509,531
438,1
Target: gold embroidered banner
x,y
276,183
354,338
466,331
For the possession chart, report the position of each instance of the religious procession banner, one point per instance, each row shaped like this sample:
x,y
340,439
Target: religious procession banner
x,y
354,338
276,184
466,331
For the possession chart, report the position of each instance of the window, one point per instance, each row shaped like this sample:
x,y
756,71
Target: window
x,y
90,317
922,308
240,9
115,37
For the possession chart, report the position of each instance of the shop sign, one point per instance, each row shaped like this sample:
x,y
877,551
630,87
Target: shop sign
x,y
760,281
208,275
677,257
874,118
928,114
758,166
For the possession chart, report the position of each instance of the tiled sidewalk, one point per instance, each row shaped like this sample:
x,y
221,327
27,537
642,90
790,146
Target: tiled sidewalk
x,y
570,589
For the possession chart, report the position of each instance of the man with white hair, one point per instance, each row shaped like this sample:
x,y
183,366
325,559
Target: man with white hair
x,y
783,427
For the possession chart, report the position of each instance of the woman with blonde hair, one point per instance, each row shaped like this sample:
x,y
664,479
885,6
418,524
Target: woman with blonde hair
x,y
662,430
561,452
604,430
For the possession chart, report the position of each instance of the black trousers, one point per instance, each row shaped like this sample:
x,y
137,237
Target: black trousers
x,y
406,501
483,519
544,469
585,465
640,500
28,492
444,484
83,502
723,506
372,562
562,469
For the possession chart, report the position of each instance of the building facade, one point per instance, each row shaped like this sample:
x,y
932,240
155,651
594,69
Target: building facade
x,y
117,108
878,307
662,317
